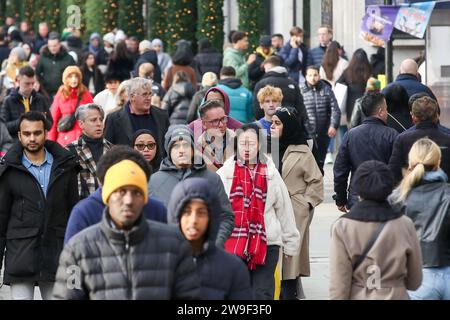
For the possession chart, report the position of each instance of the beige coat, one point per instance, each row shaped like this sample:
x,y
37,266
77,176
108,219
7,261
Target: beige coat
x,y
304,181
395,259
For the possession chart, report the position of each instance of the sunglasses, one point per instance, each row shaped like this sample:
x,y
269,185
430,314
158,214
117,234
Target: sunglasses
x,y
141,146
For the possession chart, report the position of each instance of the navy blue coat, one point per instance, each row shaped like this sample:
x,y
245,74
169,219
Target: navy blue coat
x,y
315,56
291,62
223,276
89,211
372,140
411,84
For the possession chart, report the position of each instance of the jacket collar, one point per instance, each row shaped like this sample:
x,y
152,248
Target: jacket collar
x,y
427,125
294,151
134,236
407,76
374,120
372,211
126,122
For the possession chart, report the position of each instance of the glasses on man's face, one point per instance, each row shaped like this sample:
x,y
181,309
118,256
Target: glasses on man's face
x,y
146,94
142,146
217,122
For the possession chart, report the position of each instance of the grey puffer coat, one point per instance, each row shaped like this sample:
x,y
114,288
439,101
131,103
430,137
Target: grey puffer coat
x,y
153,261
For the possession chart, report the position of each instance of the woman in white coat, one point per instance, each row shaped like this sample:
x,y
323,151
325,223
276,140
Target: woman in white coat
x,y
264,218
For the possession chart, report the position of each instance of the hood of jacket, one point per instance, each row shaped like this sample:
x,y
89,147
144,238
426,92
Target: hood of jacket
x,y
196,188
226,99
277,72
233,83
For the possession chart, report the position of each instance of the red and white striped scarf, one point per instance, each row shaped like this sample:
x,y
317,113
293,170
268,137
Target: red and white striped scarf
x,y
248,200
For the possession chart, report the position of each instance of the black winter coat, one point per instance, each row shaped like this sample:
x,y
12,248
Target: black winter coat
x,y
149,57
372,140
99,80
119,130
177,101
405,141
322,107
355,90
13,108
121,68
292,96
223,276
432,221
209,60
32,227
152,262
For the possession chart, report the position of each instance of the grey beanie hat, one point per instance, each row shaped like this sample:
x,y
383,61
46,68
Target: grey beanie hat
x,y
174,133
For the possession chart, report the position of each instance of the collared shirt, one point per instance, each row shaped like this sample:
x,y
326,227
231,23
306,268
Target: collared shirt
x,y
40,172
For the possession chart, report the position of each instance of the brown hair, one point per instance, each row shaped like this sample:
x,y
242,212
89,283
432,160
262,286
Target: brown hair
x,y
331,59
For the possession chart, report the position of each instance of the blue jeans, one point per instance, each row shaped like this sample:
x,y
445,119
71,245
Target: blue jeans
x,y
341,132
435,285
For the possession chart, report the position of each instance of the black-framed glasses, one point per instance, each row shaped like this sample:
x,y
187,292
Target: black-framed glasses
x,y
217,122
141,146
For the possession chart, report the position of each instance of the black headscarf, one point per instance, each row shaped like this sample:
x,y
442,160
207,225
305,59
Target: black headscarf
x,y
155,163
293,130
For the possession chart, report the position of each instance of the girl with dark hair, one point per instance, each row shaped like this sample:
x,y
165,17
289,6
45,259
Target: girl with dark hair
x,y
121,62
332,65
144,141
92,77
304,181
355,78
399,116
264,218
182,61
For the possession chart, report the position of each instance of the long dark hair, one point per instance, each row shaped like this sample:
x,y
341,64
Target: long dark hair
x,y
331,59
359,68
121,52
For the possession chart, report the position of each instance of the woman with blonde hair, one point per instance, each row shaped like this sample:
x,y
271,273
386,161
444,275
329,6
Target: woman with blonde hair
x,y
70,96
425,180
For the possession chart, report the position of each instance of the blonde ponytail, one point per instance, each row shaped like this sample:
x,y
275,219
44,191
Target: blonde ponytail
x,y
424,154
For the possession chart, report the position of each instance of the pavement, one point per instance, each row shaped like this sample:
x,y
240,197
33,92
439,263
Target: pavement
x,y
316,286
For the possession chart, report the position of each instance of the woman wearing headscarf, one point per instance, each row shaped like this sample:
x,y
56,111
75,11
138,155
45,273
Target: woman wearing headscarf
x,y
144,141
304,182
164,59
374,253
72,94
264,218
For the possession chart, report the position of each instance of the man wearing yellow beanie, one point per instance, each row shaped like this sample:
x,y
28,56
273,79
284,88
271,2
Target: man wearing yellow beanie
x,y
125,256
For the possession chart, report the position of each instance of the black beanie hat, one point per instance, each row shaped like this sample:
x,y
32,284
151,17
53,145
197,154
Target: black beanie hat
x,y
373,181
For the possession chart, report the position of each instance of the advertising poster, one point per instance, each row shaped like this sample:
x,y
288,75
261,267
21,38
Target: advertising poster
x,y
413,18
378,23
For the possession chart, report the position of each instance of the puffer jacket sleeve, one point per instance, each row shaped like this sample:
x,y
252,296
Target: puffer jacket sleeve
x,y
341,270
335,111
285,214
187,282
227,215
69,277
5,139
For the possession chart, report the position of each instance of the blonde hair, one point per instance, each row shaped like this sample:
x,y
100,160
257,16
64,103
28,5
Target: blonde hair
x,y
425,155
146,70
123,88
209,79
269,91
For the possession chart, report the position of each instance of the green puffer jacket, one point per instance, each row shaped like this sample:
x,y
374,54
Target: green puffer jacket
x,y
236,59
51,67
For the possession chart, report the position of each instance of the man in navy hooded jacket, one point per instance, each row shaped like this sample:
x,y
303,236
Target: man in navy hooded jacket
x,y
89,211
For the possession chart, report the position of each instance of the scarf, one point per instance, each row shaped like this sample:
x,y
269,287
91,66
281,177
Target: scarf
x,y
248,200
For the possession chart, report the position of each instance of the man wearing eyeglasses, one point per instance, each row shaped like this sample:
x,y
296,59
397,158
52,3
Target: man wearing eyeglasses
x,y
217,141
182,162
138,113
89,147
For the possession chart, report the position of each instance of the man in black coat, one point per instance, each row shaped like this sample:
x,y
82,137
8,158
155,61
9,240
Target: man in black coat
x,y
277,76
125,256
372,140
136,114
426,117
22,100
38,188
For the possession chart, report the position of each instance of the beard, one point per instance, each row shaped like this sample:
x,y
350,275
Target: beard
x,y
33,148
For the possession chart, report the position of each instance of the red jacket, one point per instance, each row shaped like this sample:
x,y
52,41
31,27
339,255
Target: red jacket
x,y
62,107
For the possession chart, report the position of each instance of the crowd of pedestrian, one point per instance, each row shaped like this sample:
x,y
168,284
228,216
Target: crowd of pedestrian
x,y
128,173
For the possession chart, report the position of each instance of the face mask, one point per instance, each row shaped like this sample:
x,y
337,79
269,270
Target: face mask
x,y
109,50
